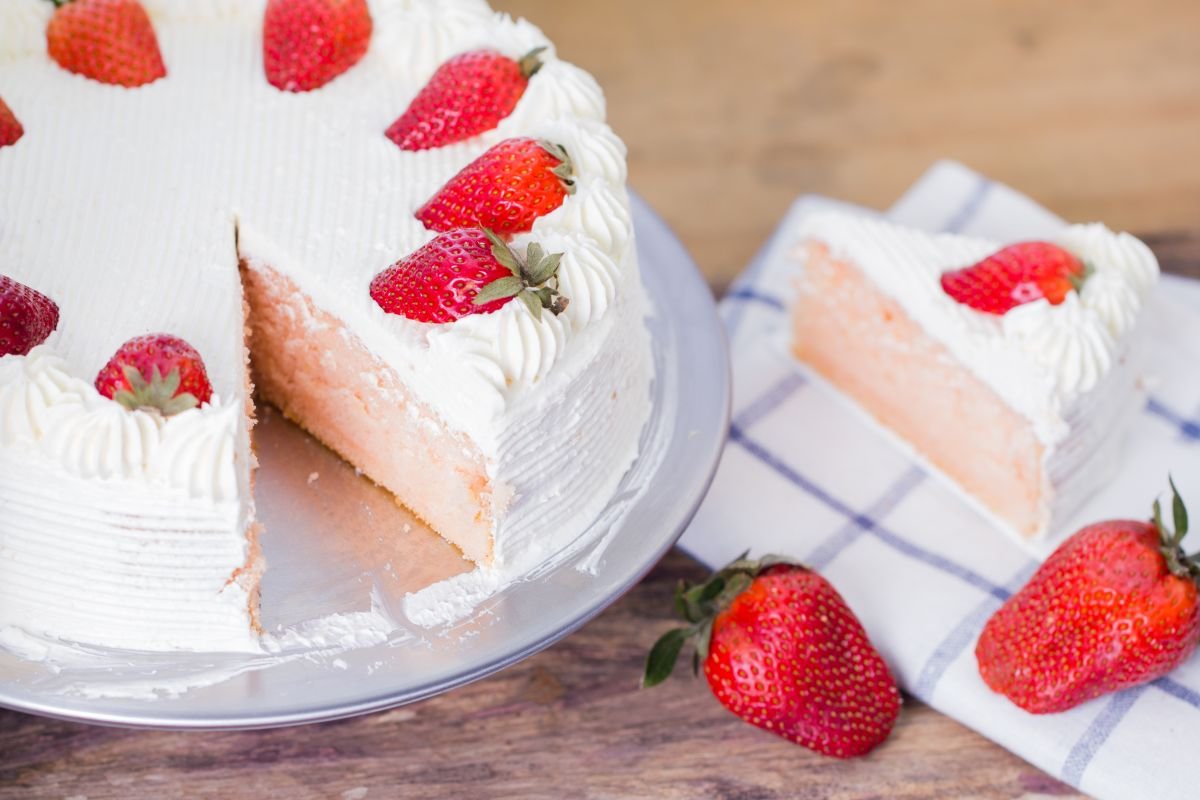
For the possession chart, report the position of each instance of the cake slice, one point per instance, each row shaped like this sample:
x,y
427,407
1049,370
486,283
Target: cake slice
x,y
1010,370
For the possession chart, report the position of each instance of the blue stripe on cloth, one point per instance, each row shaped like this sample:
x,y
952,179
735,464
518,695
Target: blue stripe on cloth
x,y
770,400
832,547
950,648
1178,691
970,207
753,295
1189,429
1097,734
898,544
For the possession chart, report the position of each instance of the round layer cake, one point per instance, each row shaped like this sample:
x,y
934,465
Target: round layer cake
x,y
250,220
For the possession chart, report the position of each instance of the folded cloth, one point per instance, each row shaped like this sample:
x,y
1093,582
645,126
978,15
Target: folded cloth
x,y
805,475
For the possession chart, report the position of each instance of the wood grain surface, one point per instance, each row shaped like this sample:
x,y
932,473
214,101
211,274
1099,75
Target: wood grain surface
x,y
731,110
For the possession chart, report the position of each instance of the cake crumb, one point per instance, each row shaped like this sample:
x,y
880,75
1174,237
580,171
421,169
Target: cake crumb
x,y
312,477
357,793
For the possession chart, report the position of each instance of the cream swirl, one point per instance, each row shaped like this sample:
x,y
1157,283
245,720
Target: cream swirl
x,y
587,277
44,407
598,209
416,36
558,90
1070,340
1119,253
1113,299
24,28
595,151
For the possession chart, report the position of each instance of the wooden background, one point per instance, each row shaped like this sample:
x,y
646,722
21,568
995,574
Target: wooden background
x,y
732,109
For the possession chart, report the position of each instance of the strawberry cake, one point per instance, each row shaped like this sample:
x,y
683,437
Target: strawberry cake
x,y
402,222
1011,370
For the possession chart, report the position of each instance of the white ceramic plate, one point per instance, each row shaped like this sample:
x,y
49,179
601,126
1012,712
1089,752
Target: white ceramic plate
x,y
334,540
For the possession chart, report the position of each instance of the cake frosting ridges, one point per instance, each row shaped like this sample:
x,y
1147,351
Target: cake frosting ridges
x,y
132,209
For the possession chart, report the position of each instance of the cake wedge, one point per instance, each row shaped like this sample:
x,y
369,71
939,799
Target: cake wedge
x,y
1011,371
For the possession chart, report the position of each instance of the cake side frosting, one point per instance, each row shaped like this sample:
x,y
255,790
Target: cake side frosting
x,y
1039,358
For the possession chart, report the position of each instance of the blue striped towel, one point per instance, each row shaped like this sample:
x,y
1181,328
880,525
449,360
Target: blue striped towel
x,y
804,475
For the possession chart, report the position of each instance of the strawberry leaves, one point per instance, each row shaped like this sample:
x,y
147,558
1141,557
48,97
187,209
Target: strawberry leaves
x,y
699,606
533,281
158,393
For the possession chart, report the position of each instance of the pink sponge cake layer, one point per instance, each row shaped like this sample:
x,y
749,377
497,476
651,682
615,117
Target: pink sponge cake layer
x,y
864,343
307,364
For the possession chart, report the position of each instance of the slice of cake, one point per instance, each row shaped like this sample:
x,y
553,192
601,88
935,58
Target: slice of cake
x,y
220,173
1010,370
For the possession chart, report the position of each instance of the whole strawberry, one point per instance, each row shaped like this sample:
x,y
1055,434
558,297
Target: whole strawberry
x,y
27,317
1114,606
156,371
468,271
10,127
504,190
111,41
781,650
467,95
1018,274
308,43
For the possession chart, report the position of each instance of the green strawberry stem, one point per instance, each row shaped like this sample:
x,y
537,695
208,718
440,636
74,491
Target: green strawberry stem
x,y
565,171
1178,562
531,62
534,281
159,393
699,605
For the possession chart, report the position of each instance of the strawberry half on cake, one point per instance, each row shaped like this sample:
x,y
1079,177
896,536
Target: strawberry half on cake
x,y
402,222
1012,370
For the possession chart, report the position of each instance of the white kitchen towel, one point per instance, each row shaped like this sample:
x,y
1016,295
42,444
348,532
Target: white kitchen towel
x,y
804,474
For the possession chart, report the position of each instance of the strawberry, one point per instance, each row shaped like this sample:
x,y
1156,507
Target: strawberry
x,y
1018,274
1114,606
156,371
308,43
10,128
781,650
505,189
27,317
467,95
468,271
110,41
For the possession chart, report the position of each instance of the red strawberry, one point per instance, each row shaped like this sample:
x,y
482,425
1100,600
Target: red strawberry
x,y
110,41
1018,274
468,271
27,317
781,650
157,371
10,128
469,94
505,189
308,43
1114,606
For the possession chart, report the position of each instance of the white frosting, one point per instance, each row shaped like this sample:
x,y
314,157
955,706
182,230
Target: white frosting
x,y
1039,358
130,227
24,28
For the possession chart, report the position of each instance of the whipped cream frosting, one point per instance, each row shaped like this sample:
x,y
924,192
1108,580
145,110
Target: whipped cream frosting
x,y
131,207
1039,358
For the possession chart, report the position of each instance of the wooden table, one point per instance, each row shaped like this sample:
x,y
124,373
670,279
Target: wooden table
x,y
731,110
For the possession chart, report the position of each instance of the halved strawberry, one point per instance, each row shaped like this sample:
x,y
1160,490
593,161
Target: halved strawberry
x,y
111,41
468,271
10,127
27,317
504,190
157,371
469,94
308,43
1018,274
